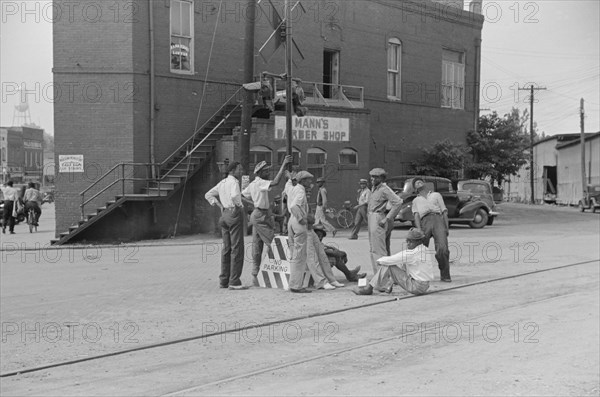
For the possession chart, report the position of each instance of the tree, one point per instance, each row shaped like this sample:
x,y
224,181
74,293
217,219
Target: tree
x,y
444,158
499,146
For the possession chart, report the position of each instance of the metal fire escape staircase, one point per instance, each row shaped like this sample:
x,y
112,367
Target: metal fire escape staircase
x,y
170,175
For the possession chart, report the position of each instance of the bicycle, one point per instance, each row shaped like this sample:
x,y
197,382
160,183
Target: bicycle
x,y
31,221
344,217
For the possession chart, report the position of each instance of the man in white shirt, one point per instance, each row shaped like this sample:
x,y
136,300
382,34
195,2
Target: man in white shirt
x,y
226,195
261,219
412,268
431,217
297,228
33,202
11,196
362,197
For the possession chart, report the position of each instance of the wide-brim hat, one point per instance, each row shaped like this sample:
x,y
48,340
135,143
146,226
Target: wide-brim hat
x,y
320,179
363,181
303,175
415,234
377,172
261,166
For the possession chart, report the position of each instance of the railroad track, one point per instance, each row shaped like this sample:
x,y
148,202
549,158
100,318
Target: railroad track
x,y
282,321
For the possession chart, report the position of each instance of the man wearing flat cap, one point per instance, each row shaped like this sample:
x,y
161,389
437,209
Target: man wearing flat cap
x,y
362,197
297,228
383,207
431,217
322,206
261,219
412,269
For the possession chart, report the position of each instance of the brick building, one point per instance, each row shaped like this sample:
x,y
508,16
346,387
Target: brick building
x,y
392,76
22,153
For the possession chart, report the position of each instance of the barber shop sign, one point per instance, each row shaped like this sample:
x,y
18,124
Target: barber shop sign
x,y
314,128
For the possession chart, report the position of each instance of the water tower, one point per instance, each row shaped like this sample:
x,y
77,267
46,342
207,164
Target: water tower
x,y
21,114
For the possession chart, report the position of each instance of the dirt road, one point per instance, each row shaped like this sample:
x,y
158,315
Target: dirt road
x,y
528,334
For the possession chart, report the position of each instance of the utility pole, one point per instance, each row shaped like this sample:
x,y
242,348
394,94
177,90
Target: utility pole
x,y
248,100
582,140
288,76
531,164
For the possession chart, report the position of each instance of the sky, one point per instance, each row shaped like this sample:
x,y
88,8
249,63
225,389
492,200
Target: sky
x,y
552,44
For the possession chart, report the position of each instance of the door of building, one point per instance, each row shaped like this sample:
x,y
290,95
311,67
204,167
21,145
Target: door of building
x,y
331,73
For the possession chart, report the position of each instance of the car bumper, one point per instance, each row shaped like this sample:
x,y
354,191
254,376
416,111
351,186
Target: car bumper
x,y
493,213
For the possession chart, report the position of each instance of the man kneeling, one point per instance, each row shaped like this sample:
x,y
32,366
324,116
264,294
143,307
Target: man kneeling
x,y
412,268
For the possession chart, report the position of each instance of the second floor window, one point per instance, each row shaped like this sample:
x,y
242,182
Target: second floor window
x,y
453,80
282,152
316,159
394,54
182,41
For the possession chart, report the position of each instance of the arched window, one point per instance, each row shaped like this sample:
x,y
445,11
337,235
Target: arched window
x,y
282,151
394,64
258,154
316,159
348,156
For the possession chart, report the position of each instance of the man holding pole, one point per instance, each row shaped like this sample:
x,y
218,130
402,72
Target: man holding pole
x,y
261,219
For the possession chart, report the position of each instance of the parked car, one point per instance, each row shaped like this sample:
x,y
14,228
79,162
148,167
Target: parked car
x,y
482,190
591,199
463,207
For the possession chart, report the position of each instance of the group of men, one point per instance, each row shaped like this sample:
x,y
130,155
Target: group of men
x,y
31,200
412,268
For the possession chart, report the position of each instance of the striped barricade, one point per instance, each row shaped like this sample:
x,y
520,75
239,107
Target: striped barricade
x,y
275,266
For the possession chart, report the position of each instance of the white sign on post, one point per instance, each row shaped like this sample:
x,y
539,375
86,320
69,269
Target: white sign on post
x,y
70,163
275,266
314,128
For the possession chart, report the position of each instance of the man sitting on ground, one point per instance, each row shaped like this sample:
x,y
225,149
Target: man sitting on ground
x,y
412,268
336,257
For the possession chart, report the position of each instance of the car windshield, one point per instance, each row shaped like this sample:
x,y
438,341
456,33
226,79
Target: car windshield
x,y
408,187
395,184
477,188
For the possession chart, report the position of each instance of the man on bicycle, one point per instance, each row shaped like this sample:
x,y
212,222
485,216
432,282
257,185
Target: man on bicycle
x,y
33,202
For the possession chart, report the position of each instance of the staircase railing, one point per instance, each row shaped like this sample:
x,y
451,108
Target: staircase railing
x,y
191,138
157,166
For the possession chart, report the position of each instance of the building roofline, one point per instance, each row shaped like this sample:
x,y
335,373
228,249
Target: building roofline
x,y
563,137
588,137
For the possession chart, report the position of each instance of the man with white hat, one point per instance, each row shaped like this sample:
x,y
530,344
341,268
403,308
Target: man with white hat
x,y
322,206
297,228
261,219
381,221
412,268
362,197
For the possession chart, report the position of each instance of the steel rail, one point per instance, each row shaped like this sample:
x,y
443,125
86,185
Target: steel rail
x,y
281,321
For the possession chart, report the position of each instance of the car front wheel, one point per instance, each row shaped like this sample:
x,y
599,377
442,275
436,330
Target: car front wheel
x,y
480,219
